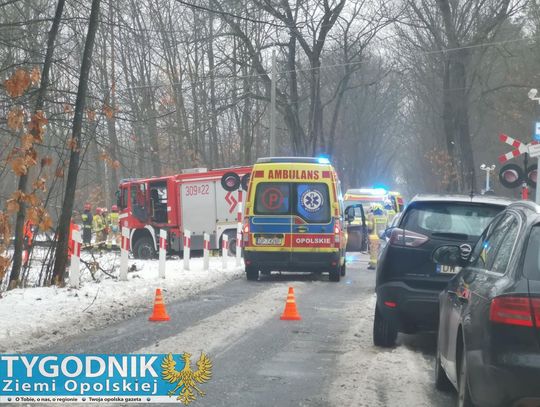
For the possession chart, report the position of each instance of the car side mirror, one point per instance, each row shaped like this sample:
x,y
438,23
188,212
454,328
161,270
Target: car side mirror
x,y
386,233
450,255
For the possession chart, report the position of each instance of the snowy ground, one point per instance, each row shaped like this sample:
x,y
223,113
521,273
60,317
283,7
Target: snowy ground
x,y
368,376
37,316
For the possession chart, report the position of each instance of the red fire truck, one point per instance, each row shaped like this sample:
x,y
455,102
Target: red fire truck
x,y
198,200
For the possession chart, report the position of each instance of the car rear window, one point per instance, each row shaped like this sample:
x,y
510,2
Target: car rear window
x,y
272,198
449,218
531,267
310,201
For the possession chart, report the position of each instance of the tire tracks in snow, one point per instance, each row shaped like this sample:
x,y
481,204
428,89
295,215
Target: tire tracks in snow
x,y
217,333
368,376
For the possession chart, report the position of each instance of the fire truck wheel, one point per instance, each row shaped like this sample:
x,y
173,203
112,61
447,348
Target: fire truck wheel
x,y
252,273
144,248
230,181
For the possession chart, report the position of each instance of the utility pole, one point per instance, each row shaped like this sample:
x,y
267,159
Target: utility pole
x,y
273,107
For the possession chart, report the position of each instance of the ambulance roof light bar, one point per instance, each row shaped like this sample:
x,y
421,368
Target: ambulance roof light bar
x,y
308,160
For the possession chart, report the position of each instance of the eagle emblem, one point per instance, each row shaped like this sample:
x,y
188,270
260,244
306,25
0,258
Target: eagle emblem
x,y
186,380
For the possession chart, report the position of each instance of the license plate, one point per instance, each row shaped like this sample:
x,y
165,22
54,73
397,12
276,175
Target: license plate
x,y
442,269
269,240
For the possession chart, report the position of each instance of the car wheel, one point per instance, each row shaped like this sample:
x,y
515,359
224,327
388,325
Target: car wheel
x,y
384,334
464,395
441,379
344,269
335,274
252,273
144,248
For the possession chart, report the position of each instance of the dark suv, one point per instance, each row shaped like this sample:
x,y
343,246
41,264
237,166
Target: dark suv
x,y
408,281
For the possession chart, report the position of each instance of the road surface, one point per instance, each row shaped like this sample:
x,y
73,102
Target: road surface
x,y
325,359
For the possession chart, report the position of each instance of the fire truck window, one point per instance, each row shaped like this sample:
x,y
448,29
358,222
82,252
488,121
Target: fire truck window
x,y
158,200
138,199
124,198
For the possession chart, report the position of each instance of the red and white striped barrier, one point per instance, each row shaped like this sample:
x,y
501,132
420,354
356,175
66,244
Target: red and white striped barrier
x,y
520,147
239,236
187,248
74,267
224,250
206,252
124,251
162,252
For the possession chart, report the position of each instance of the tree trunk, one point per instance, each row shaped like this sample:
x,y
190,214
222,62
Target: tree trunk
x,y
73,169
23,180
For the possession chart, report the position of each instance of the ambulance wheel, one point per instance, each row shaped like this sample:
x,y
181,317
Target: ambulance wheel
x,y
335,274
344,269
252,273
144,248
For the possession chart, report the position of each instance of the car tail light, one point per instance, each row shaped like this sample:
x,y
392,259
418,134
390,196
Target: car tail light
x,y
512,310
337,233
402,237
245,231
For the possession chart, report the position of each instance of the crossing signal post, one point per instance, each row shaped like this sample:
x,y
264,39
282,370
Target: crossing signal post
x,y
513,175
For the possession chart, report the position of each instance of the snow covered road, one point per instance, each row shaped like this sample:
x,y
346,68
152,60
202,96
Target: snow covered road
x,y
326,359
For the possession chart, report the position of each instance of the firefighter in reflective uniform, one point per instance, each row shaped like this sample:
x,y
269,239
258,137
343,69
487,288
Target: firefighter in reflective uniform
x,y
98,225
390,212
87,224
377,222
113,221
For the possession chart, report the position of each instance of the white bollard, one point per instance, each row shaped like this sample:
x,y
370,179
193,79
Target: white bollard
x,y
74,267
206,252
224,250
162,252
187,248
239,236
124,250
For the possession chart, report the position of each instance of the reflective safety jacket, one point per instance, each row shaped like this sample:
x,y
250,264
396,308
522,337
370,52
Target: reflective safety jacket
x,y
87,220
391,214
113,219
98,224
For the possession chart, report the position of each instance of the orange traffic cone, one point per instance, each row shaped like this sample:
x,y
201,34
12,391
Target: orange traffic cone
x,y
290,313
160,313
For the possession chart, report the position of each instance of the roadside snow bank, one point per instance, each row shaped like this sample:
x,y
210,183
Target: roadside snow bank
x,y
32,317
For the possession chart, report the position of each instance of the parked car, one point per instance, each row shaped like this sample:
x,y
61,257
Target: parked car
x,y
408,282
489,331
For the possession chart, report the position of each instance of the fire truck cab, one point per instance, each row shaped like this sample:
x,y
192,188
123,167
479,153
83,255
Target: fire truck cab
x,y
197,200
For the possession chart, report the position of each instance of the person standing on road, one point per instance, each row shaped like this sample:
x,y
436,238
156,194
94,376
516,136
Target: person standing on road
x,y
114,224
98,224
377,222
87,221
390,212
